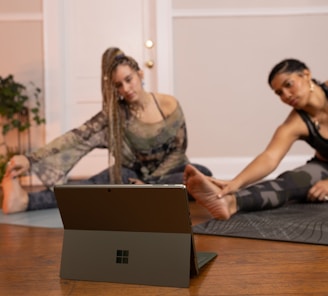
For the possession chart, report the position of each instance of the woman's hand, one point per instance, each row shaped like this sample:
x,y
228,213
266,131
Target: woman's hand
x,y
319,191
135,181
227,187
17,165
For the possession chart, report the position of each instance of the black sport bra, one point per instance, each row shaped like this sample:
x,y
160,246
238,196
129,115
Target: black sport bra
x,y
315,140
157,104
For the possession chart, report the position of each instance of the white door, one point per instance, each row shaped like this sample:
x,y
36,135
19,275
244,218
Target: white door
x,y
77,32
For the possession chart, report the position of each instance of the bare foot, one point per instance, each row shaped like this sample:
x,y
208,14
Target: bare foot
x,y
15,198
206,193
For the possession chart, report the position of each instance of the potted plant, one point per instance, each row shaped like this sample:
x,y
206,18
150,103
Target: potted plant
x,y
15,112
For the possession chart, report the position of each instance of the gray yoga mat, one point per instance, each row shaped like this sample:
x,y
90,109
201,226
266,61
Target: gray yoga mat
x,y
302,223
43,218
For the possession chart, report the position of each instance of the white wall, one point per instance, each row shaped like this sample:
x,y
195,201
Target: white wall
x,y
222,52
222,55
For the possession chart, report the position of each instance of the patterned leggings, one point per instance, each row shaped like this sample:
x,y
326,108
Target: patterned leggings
x,y
45,199
290,186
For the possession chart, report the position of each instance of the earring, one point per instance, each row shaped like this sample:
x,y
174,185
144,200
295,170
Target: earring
x,y
311,86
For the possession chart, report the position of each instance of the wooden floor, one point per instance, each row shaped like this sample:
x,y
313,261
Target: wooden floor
x,y
30,261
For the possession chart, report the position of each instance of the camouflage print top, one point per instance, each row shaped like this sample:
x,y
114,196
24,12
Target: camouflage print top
x,y
151,150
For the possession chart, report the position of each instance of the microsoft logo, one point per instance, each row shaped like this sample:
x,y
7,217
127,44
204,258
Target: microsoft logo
x,y
122,256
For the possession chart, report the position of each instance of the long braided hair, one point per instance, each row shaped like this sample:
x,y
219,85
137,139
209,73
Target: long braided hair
x,y
111,59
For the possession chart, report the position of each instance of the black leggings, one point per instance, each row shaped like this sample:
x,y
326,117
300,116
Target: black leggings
x,y
45,199
290,186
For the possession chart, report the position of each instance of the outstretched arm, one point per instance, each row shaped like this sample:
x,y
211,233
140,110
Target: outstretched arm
x,y
267,161
53,162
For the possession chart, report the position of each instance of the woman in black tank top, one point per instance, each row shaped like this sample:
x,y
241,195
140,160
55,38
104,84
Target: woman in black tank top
x,y
292,81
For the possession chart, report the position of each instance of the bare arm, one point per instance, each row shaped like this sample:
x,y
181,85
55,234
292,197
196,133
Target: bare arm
x,y
267,161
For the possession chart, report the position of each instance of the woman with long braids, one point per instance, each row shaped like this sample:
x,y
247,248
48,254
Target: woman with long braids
x,y
145,133
292,81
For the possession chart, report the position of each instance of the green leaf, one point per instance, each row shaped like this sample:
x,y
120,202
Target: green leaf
x,y
14,101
